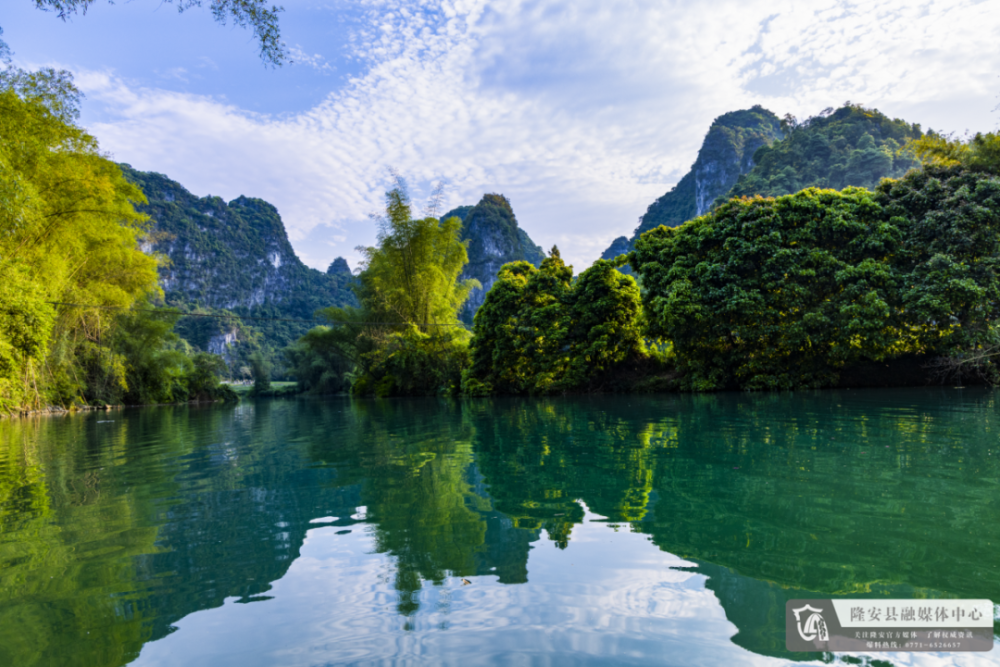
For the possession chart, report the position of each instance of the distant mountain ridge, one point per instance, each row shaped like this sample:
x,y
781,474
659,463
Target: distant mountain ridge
x,y
234,256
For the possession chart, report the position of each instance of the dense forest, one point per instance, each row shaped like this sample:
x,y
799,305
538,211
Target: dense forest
x,y
852,241
788,292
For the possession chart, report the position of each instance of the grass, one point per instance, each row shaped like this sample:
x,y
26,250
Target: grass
x,y
278,389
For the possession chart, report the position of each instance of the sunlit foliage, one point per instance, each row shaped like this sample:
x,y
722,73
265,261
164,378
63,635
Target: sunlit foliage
x,y
69,234
405,338
980,152
783,293
539,332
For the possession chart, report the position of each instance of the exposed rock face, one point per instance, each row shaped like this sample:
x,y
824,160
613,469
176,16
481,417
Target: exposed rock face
x,y
220,342
494,240
234,256
726,154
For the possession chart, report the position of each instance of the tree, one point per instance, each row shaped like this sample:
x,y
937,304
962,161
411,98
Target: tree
x,y
411,277
76,289
783,293
539,332
405,338
980,152
69,233
253,14
261,369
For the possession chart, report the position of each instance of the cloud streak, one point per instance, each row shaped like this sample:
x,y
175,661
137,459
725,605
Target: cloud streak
x,y
581,112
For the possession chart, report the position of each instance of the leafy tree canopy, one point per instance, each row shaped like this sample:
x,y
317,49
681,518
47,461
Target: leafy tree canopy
x,y
411,277
405,338
980,152
69,234
782,293
540,332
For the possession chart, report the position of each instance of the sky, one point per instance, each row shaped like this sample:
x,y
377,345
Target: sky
x,y
581,112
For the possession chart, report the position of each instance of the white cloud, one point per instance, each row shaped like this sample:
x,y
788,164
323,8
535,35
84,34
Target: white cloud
x,y
581,112
315,60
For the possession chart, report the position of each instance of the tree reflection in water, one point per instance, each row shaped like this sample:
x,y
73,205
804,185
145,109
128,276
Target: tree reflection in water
x,y
118,529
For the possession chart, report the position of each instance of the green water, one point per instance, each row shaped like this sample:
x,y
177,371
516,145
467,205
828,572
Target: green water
x,y
665,530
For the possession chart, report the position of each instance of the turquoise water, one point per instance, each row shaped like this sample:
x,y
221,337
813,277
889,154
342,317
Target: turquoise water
x,y
661,530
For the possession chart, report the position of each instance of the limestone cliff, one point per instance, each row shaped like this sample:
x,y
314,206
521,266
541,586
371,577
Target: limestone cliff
x,y
726,153
233,256
494,240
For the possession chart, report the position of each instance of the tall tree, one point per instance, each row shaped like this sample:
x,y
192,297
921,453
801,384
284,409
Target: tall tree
x,y
411,277
405,338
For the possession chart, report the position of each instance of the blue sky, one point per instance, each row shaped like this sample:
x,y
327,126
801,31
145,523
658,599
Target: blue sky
x,y
582,112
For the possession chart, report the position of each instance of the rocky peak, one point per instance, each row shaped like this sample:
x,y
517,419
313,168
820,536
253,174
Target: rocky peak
x,y
494,239
726,153
339,267
233,256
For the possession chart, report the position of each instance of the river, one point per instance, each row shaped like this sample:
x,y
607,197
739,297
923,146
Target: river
x,y
633,530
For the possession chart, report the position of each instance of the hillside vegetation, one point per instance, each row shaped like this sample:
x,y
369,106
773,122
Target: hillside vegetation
x,y
234,260
726,153
75,287
890,253
851,146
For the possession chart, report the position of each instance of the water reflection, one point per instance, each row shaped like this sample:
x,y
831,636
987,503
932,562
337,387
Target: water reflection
x,y
115,528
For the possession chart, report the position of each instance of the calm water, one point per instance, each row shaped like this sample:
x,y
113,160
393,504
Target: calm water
x,y
663,530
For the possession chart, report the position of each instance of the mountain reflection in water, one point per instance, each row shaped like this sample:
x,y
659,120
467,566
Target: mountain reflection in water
x,y
631,530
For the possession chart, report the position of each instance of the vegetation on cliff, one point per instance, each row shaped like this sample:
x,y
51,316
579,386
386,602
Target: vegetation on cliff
x,y
69,234
725,154
234,260
783,293
852,146
494,239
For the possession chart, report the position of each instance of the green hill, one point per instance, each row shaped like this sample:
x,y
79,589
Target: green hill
x,y
234,258
752,152
849,146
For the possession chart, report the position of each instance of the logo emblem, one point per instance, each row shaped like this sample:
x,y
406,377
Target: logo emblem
x,y
813,627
